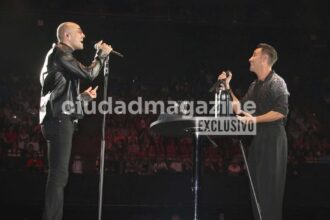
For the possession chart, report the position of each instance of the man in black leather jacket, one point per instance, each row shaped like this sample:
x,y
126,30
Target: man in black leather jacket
x,y
61,105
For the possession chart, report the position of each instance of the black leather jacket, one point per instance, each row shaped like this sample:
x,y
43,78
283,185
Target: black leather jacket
x,y
60,79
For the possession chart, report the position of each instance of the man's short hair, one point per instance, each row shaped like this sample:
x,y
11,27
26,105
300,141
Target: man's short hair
x,y
62,28
270,51
60,31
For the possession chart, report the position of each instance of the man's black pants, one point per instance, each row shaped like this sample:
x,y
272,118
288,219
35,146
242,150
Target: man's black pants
x,y
267,162
58,133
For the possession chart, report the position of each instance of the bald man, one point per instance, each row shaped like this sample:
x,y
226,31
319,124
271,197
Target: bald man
x,y
61,107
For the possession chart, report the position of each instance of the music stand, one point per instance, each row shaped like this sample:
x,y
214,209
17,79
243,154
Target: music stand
x,y
177,126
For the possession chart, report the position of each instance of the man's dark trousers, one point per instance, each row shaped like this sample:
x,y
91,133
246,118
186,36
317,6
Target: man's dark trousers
x,y
58,133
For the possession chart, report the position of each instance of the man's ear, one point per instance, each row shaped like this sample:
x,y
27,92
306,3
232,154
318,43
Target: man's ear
x,y
265,58
67,35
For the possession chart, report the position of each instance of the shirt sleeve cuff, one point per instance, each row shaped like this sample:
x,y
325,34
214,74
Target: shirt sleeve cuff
x,y
84,98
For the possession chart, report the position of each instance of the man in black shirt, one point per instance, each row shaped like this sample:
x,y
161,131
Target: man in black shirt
x,y
268,150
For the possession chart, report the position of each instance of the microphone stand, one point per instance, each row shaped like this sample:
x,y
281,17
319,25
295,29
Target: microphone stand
x,y
218,93
218,89
250,179
102,152
227,94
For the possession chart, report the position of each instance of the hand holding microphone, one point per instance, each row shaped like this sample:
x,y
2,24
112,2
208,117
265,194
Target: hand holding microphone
x,y
104,49
223,81
225,77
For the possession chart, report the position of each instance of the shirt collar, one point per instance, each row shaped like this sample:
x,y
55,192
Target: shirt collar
x,y
268,77
65,47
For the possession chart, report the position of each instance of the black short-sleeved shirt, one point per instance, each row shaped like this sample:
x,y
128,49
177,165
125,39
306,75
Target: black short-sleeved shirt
x,y
269,95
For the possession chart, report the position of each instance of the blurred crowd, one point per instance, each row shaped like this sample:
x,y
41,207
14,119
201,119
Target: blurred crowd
x,y
131,148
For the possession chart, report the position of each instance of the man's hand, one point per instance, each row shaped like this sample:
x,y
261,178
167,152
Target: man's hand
x,y
223,76
245,117
103,48
91,93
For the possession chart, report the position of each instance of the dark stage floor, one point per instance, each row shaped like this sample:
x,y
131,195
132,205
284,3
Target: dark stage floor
x,y
76,211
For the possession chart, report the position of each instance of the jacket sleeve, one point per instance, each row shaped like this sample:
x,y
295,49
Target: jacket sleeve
x,y
79,70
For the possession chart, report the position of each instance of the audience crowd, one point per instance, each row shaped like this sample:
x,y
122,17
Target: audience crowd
x,y
131,148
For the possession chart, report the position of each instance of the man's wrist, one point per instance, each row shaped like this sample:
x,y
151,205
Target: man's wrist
x,y
256,119
100,59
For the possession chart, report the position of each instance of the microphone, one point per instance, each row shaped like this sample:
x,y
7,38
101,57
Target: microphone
x,y
112,51
219,82
228,72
